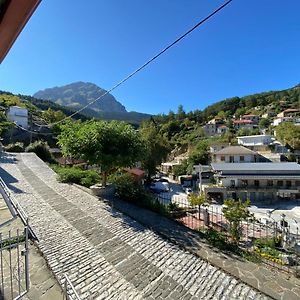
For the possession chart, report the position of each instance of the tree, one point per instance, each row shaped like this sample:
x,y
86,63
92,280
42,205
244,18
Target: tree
x,y
180,112
197,200
200,155
240,111
52,116
157,148
289,134
236,212
264,123
180,169
110,145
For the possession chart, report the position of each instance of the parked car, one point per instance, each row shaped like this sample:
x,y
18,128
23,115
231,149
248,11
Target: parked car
x,y
160,187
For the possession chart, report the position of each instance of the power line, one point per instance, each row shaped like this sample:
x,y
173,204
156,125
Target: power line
x,y
145,64
31,131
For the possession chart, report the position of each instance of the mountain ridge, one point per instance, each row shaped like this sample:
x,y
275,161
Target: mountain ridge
x,y
79,94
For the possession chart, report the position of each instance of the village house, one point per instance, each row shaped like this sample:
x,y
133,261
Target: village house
x,y
255,181
262,142
255,140
253,118
18,115
236,154
217,147
246,124
222,129
214,126
268,114
288,115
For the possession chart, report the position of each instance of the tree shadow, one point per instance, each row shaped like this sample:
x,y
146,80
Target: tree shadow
x,y
141,219
9,158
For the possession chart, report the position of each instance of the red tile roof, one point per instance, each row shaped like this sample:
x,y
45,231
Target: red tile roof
x,y
135,171
242,121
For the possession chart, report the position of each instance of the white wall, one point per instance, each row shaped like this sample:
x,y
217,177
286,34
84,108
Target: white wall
x,y
255,140
247,158
18,115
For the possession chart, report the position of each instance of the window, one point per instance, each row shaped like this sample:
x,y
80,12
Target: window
x,y
222,158
288,183
232,183
270,183
244,182
242,158
279,183
297,183
231,159
256,183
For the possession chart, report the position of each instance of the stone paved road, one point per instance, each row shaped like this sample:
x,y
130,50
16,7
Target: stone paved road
x,y
106,254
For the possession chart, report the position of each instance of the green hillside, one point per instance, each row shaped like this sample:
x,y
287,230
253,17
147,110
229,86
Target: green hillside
x,y
185,128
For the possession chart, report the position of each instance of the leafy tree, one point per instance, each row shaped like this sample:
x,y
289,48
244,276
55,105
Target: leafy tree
x,y
180,169
200,154
264,123
198,200
52,116
180,112
110,145
7,100
221,114
157,149
289,134
240,111
236,212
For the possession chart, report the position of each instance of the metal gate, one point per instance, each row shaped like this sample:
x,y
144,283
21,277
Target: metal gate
x,y
14,251
14,273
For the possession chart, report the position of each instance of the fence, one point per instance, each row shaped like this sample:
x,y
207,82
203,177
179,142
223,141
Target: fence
x,y
272,242
14,274
69,290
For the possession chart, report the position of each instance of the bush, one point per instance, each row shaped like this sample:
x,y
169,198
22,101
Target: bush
x,y
129,190
270,243
77,175
42,150
17,147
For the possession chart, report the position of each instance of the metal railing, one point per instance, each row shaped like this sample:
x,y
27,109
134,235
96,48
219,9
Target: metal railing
x,y
69,290
15,207
205,218
14,265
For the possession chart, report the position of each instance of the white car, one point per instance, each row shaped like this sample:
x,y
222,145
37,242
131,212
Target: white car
x,y
160,186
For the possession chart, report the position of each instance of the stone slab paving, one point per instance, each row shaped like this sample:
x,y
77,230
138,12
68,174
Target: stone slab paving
x,y
43,284
107,254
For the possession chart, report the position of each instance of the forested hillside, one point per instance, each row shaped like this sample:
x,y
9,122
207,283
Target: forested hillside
x,y
183,128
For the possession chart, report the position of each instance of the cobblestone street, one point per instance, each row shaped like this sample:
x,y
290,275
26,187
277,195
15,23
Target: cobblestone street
x,y
107,254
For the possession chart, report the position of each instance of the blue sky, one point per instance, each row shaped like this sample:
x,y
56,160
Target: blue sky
x,y
250,46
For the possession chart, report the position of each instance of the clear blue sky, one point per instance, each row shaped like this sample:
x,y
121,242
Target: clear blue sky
x,y
251,46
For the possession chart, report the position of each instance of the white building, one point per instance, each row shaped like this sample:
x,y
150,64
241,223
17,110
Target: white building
x,y
235,154
222,129
255,181
255,140
18,115
278,120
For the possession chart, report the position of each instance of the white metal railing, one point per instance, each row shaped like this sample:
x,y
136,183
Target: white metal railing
x,y
69,290
15,207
